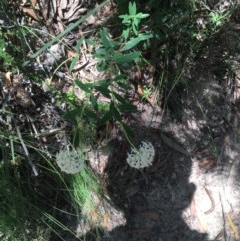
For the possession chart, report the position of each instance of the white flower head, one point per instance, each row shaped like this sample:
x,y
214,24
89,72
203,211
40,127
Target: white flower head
x,y
142,157
201,22
70,162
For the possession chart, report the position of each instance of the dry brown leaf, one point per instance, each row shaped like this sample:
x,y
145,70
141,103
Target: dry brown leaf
x,y
107,9
71,11
102,162
71,54
30,12
193,208
219,235
94,215
211,209
34,3
63,4
48,10
105,220
9,79
140,91
207,163
91,20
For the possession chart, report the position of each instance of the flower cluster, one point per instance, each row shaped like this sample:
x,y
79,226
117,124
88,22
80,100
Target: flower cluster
x,y
142,157
70,162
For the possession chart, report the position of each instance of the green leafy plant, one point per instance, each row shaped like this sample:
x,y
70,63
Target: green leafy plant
x,y
109,58
146,93
116,55
5,59
117,103
132,20
174,26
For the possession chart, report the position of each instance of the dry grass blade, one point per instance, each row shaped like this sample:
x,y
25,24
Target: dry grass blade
x,y
233,227
26,150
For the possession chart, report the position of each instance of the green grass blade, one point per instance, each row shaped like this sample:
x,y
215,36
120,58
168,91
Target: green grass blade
x,y
133,42
126,58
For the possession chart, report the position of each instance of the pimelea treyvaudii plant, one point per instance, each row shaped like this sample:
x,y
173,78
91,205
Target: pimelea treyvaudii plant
x,y
70,162
142,157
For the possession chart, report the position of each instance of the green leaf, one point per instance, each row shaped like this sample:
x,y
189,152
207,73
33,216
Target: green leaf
x,y
79,43
119,98
142,15
135,31
94,102
126,18
124,85
133,42
126,58
73,63
106,117
123,16
104,91
128,130
127,107
85,87
101,66
120,77
103,82
115,112
136,22
122,82
101,54
75,59
71,116
76,138
90,114
105,41
125,33
132,8
127,22
66,31
90,42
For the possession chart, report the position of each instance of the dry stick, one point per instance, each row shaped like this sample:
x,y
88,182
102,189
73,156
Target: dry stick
x,y
211,199
26,150
33,126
